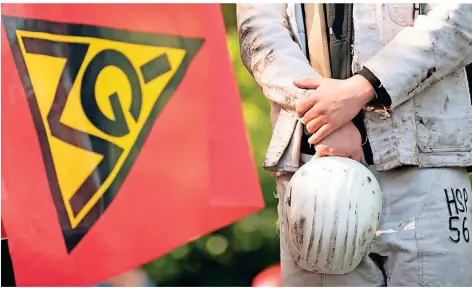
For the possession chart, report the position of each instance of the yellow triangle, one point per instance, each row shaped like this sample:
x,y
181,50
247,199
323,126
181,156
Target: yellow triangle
x,y
72,164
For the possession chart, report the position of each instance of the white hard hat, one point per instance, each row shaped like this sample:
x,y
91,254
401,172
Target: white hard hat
x,y
331,211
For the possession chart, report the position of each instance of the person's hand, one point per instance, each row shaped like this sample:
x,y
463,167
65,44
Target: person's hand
x,y
344,142
332,104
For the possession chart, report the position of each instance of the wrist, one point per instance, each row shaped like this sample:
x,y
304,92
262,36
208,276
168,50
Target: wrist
x,y
381,97
365,90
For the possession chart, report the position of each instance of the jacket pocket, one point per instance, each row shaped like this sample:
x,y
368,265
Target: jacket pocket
x,y
403,14
436,134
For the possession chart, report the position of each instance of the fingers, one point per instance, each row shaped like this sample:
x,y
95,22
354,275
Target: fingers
x,y
356,157
359,157
310,83
314,125
305,105
324,151
321,151
313,114
321,133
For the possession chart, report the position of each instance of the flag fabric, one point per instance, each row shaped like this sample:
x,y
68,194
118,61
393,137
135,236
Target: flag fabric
x,y
4,234
123,136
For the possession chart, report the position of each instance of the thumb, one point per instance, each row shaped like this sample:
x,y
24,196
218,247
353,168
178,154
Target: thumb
x,y
309,83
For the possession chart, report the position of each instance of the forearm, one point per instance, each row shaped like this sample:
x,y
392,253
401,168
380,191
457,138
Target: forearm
x,y
270,54
420,56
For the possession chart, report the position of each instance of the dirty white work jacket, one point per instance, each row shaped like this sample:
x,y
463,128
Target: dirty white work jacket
x,y
420,61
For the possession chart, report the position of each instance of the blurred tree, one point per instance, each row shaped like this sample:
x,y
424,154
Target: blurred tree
x,y
229,13
234,255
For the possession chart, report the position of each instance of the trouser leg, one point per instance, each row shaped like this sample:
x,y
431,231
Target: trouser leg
x,y
423,237
424,229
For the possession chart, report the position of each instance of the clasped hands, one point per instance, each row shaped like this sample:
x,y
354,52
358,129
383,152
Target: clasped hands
x,y
328,112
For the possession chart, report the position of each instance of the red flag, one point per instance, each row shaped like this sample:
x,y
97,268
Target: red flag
x,y
123,136
4,234
269,277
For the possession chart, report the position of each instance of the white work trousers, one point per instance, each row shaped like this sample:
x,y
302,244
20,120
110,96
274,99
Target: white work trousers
x,y
424,237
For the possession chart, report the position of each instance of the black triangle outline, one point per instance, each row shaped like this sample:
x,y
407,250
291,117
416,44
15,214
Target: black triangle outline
x,y
72,237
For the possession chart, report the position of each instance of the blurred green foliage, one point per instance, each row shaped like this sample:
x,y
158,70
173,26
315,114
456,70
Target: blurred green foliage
x,y
233,255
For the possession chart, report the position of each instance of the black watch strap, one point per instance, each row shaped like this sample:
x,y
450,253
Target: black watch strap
x,y
382,98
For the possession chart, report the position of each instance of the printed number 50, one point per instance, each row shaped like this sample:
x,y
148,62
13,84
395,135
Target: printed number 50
x,y
465,230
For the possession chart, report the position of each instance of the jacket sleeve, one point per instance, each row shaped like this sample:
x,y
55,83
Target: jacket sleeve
x,y
438,44
270,53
